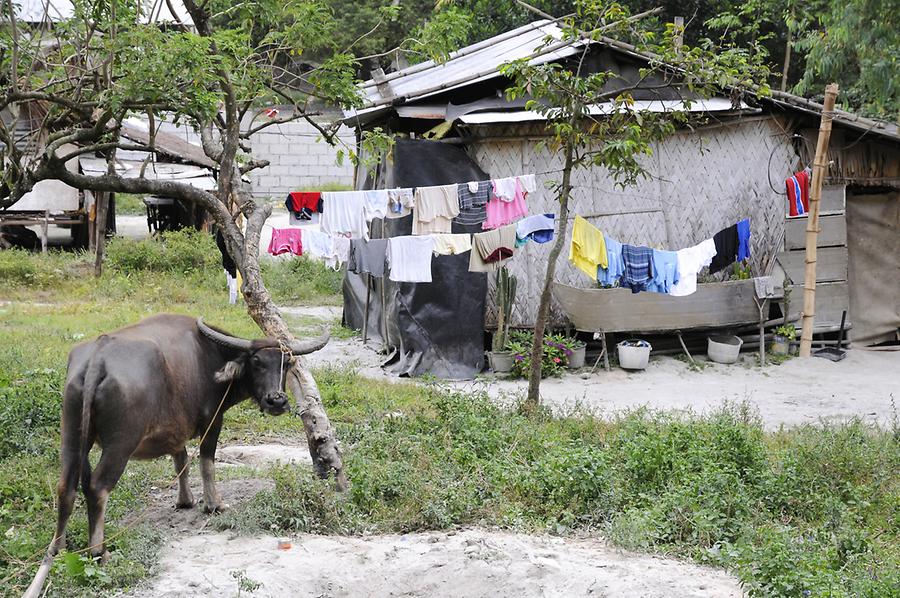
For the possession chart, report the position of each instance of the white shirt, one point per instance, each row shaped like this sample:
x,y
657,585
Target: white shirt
x,y
410,258
376,203
690,262
316,243
344,213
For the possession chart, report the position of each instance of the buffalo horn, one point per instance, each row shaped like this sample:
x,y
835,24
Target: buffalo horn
x,y
223,339
304,347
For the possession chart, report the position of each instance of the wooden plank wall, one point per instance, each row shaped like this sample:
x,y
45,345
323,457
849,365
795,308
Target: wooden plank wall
x,y
832,291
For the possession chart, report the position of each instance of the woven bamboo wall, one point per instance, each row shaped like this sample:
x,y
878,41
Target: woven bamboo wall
x,y
702,182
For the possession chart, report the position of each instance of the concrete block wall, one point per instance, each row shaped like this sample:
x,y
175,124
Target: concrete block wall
x,y
297,160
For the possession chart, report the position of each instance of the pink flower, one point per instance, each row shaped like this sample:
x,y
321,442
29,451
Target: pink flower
x,y
556,360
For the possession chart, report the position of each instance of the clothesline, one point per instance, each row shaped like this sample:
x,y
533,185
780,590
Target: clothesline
x,y
639,268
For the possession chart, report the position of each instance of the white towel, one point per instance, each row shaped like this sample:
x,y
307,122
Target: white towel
x,y
344,213
410,258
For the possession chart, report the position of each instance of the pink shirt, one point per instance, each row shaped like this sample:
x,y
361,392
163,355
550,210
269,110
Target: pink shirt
x,y
286,240
500,213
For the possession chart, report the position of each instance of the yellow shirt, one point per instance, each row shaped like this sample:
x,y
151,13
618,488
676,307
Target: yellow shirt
x,y
588,248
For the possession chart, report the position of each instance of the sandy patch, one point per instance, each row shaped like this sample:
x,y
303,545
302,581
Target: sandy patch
x,y
262,455
465,564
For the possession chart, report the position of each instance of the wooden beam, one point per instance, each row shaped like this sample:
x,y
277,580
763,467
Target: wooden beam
x,y
812,224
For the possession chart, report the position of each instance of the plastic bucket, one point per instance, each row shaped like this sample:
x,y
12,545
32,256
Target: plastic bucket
x,y
501,361
723,348
634,354
576,359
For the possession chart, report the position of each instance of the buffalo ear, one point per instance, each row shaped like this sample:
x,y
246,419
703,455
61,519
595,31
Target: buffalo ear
x,y
230,371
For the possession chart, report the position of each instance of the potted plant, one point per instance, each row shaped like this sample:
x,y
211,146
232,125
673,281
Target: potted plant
x,y
574,350
781,343
554,356
500,357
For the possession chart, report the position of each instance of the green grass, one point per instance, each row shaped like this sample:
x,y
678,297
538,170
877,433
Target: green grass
x,y
814,509
130,204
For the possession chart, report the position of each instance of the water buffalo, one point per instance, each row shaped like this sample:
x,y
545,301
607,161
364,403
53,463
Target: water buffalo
x,y
143,391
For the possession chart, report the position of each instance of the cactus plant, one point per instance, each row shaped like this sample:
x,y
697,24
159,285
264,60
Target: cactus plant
x,y
506,295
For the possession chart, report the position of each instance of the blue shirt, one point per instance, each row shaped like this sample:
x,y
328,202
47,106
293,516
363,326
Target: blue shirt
x,y
638,270
743,231
616,265
665,271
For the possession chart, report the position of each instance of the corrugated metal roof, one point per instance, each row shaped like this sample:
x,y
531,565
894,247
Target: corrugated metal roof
x,y
157,171
472,64
138,130
709,105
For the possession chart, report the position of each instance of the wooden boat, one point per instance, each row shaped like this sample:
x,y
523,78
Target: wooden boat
x,y
714,305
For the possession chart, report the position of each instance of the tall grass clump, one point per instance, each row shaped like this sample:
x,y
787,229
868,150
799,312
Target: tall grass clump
x,y
183,251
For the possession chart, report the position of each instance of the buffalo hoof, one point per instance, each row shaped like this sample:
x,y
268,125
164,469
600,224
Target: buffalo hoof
x,y
102,557
185,505
211,509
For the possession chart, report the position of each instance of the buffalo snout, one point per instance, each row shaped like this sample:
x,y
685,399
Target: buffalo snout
x,y
274,403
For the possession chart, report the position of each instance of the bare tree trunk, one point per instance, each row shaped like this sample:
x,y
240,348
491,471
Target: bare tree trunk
x,y
100,226
532,401
320,434
787,60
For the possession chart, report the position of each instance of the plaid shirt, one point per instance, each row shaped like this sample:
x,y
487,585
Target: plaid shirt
x,y
638,267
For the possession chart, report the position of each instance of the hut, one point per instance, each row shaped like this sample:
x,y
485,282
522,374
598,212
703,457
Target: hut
x,y
704,178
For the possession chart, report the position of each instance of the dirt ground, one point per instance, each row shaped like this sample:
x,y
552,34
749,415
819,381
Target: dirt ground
x,y
469,563
466,563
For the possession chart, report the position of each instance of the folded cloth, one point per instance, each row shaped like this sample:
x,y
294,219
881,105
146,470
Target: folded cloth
x,y
367,257
501,212
452,244
473,195
798,193
726,241
286,240
303,203
400,202
435,209
638,268
587,249
609,276
743,232
491,249
665,271
344,214
317,243
538,228
376,204
690,262
410,258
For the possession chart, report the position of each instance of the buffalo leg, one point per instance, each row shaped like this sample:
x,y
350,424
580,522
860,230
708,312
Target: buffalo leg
x,y
211,497
103,480
185,497
71,462
65,494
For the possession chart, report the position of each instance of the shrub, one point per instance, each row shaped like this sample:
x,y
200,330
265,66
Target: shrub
x,y
21,268
554,358
183,251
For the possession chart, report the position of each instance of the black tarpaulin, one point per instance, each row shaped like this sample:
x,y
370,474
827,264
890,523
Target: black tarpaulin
x,y
432,328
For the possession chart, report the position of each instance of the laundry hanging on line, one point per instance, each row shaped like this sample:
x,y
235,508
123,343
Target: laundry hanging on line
x,y
655,270
798,192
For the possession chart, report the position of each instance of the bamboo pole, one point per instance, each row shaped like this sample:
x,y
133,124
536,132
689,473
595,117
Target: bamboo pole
x,y
812,221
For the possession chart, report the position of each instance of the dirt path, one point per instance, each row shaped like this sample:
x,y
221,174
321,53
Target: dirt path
x,y
465,564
